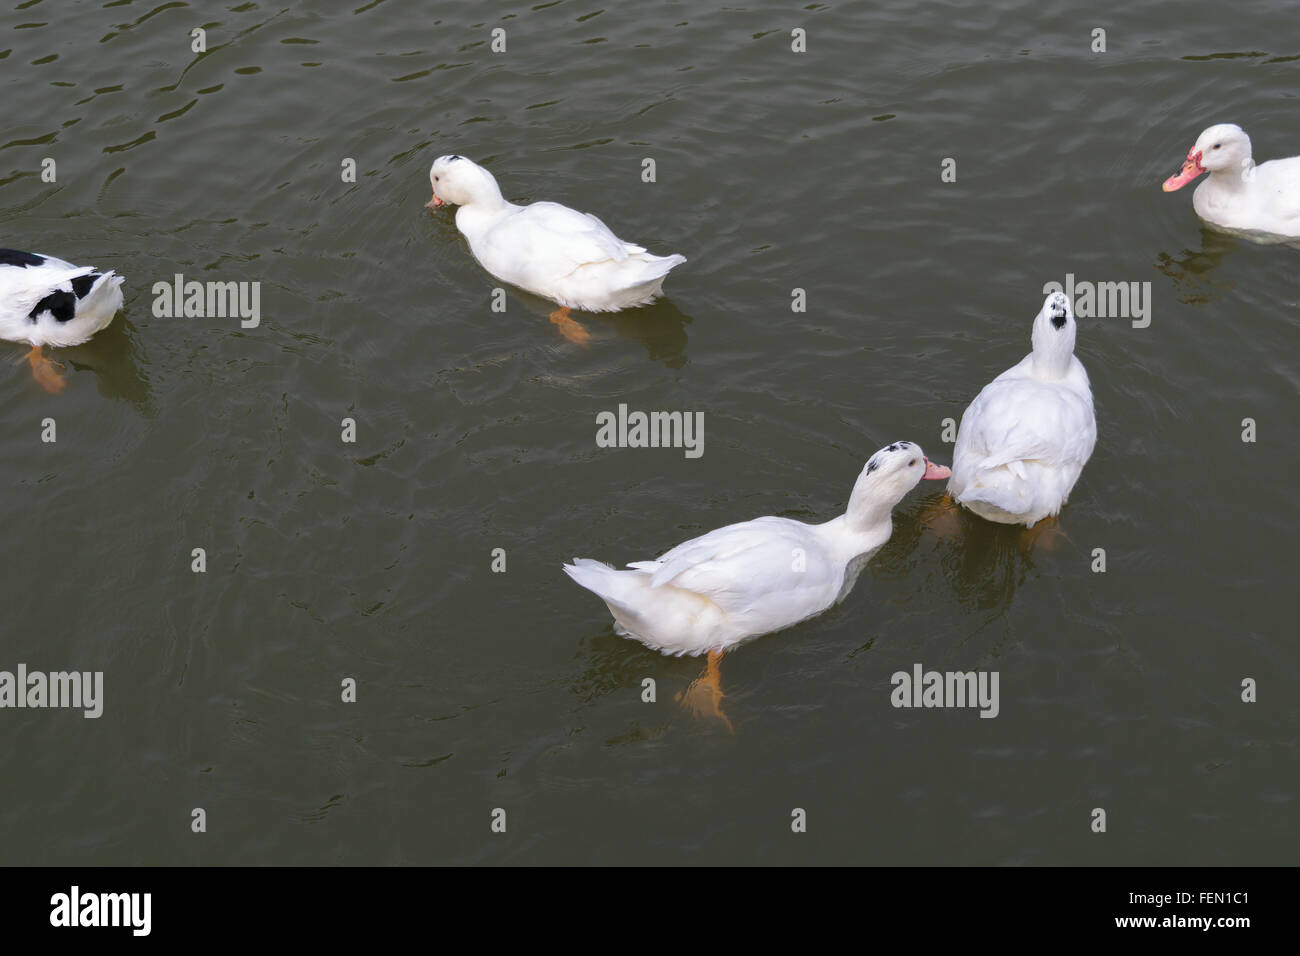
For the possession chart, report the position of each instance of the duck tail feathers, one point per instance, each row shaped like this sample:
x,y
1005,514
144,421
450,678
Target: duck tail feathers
x,y
106,293
670,262
613,586
596,576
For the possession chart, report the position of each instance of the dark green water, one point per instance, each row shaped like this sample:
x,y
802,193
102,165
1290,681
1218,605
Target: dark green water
x,y
476,430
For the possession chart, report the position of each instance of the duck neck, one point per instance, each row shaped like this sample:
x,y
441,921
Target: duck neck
x,y
487,195
481,213
869,510
484,202
489,204
1052,353
847,540
1050,368
1234,178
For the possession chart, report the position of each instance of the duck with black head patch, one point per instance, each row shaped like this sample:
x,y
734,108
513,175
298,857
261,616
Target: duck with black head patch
x,y
46,301
1024,439
713,592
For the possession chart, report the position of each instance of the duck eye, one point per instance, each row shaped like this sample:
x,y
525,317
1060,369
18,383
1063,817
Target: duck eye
x,y
911,463
1217,145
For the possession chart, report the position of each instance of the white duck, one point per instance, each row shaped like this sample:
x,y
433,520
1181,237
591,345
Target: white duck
x,y
1025,438
558,253
759,576
46,301
1238,195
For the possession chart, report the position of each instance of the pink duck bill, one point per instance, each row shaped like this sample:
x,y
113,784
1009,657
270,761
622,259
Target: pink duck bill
x,y
1191,169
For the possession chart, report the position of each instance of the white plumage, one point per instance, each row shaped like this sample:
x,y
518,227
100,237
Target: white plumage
x,y
46,301
1238,195
558,253
759,576
1024,440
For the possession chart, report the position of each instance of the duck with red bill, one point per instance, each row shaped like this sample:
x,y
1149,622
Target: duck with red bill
x,y
1258,200
1191,169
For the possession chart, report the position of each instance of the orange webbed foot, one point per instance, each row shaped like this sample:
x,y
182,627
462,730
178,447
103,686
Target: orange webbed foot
x,y
46,371
1047,535
570,328
703,698
942,517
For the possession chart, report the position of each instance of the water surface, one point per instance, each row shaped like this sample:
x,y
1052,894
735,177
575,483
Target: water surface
x,y
476,431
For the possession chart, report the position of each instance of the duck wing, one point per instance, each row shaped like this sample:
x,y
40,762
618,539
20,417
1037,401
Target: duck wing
x,y
1020,420
568,238
741,563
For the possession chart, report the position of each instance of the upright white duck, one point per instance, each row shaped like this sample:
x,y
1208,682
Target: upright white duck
x,y
1024,440
738,582
1238,195
46,301
558,253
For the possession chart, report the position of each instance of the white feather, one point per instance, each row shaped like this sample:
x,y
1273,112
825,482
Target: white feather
x,y
558,253
1024,440
24,286
759,576
1262,201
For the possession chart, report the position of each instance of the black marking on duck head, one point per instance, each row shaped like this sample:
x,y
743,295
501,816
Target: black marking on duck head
x,y
12,257
872,465
82,285
453,157
1060,310
62,305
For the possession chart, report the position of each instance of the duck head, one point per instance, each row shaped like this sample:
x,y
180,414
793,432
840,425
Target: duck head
x,y
888,475
1225,146
1053,336
460,181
